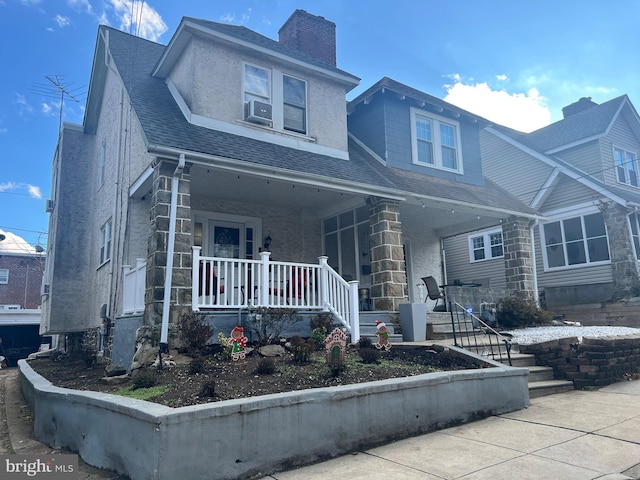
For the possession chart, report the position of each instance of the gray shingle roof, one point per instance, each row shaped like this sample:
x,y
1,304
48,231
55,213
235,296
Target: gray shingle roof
x,y
586,124
164,125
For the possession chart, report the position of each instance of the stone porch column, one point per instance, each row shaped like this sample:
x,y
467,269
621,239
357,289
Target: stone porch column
x,y
518,258
158,244
388,274
623,260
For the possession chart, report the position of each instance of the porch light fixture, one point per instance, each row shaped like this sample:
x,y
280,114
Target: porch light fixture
x,y
267,242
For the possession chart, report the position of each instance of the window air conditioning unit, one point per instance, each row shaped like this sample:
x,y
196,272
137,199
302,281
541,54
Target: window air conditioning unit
x,y
48,207
258,112
45,289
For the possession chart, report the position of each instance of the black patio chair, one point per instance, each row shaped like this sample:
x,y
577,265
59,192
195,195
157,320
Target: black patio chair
x,y
435,292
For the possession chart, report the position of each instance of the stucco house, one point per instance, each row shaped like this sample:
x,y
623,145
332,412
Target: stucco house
x,y
581,174
226,170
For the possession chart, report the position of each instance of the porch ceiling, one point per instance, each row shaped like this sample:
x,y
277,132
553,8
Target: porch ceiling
x,y
263,190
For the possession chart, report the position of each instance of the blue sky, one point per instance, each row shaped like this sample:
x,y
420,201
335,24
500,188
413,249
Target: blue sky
x,y
515,62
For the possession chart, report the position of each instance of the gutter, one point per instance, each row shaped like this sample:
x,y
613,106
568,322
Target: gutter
x,y
164,346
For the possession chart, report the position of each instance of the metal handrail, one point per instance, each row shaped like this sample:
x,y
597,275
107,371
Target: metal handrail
x,y
483,335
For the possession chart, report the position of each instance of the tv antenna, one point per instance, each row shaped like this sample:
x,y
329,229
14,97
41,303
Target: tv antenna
x,y
56,89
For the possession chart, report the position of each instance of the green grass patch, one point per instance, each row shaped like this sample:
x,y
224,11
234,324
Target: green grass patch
x,y
144,393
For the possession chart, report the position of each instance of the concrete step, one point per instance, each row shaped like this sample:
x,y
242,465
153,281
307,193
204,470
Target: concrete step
x,y
549,387
540,374
522,359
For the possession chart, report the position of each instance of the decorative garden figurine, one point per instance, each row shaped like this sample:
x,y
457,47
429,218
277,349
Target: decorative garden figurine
x,y
237,341
383,336
335,346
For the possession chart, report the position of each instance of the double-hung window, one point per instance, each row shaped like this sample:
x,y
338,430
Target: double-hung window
x,y
486,246
4,276
435,141
105,242
626,167
575,241
257,84
287,96
294,94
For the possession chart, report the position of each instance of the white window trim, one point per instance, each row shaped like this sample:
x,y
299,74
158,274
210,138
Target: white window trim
x,y
4,276
106,244
627,181
566,216
437,147
487,245
276,100
630,219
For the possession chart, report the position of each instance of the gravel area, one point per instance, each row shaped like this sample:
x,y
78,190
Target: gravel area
x,y
526,336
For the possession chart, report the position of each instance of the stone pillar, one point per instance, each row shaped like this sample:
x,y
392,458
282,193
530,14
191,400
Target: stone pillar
x,y
388,274
518,258
623,260
159,241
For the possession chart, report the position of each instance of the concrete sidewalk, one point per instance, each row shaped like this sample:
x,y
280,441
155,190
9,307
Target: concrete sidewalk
x,y
575,435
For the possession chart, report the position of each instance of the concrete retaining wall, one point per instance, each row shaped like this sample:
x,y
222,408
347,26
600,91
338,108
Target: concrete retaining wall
x,y
250,438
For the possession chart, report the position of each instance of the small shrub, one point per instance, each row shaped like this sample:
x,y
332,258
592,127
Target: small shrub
x,y
322,320
515,312
195,332
145,380
196,365
367,351
301,349
266,366
370,355
336,367
318,336
208,389
226,348
269,323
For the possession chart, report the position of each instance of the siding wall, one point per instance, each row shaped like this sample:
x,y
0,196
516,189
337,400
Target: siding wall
x,y
384,125
586,157
511,168
566,193
620,136
459,266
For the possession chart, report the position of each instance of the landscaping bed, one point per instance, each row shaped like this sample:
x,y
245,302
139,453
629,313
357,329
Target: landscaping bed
x,y
214,377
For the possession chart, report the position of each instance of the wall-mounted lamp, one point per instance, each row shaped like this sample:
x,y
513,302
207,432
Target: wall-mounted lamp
x,y
267,243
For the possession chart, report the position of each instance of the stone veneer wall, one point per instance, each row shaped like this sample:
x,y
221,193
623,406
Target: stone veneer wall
x,y
388,277
159,241
623,260
518,258
594,362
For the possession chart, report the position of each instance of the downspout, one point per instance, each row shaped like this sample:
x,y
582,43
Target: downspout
x,y
164,346
532,227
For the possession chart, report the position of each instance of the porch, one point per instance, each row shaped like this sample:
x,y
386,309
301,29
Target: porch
x,y
232,284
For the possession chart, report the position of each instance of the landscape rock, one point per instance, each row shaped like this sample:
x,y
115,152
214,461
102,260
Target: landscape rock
x,y
115,380
114,371
271,351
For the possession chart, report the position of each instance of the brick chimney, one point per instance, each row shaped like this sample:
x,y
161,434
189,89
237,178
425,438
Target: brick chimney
x,y
577,107
310,34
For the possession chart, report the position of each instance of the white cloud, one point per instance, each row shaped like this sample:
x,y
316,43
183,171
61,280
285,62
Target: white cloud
x,y
521,111
147,21
23,105
62,21
16,187
80,5
46,108
13,243
4,130
502,78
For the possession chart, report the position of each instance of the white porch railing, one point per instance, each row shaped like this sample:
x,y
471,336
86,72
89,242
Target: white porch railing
x,y
230,283
133,287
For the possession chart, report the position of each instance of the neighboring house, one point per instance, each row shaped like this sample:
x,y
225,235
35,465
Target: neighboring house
x,y
581,173
20,314
225,171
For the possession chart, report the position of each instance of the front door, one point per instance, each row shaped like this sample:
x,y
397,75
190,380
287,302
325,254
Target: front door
x,y
227,239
